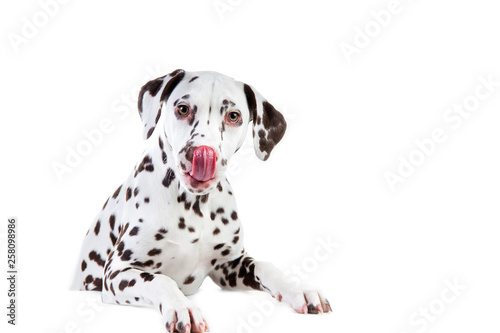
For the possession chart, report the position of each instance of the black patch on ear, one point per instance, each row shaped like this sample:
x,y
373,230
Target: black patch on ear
x,y
251,101
153,87
177,77
275,125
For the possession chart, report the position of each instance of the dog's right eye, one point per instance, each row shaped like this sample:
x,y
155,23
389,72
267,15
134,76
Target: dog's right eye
x,y
183,110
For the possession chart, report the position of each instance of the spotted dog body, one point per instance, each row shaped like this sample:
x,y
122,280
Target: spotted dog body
x,y
174,221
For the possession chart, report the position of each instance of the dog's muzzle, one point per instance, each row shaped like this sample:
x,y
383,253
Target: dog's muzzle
x,y
203,167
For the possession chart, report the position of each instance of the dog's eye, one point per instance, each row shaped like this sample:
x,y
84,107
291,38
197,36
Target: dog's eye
x,y
183,110
233,117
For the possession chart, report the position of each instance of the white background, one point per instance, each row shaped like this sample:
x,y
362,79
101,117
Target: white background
x,y
348,124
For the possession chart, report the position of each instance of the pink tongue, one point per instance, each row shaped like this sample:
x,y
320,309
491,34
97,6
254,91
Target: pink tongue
x,y
203,164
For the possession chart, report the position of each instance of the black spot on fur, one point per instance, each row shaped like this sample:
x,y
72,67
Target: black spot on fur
x,y
120,248
212,216
275,124
113,238
220,210
193,78
84,265
235,262
136,191
247,272
123,284
219,186
169,177
129,193
94,256
143,264
115,195
251,101
234,215
194,240
114,274
231,278
235,239
158,116
196,207
134,231
98,284
112,220
189,279
127,255
158,237
97,227
193,115
224,220
191,229
218,246
183,198
177,77
105,204
182,223
204,198
225,252
154,252
216,231
147,276
163,231
146,164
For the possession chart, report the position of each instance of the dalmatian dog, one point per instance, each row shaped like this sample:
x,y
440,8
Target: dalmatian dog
x,y
174,221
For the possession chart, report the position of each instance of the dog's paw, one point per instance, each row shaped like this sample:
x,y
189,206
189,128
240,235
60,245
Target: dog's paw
x,y
307,302
184,318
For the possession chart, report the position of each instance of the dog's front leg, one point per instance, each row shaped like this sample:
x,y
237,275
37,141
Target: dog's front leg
x,y
135,287
244,273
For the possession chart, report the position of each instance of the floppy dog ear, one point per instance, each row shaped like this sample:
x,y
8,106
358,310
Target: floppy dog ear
x,y
268,124
151,96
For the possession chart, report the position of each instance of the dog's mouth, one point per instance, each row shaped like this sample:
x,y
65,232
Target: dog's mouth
x,y
203,166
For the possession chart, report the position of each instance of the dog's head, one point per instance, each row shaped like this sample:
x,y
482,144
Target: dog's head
x,y
205,116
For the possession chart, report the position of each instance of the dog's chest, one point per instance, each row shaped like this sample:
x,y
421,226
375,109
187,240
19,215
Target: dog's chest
x,y
195,235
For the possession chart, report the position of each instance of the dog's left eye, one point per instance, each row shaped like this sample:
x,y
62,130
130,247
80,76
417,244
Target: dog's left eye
x,y
233,117
183,110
